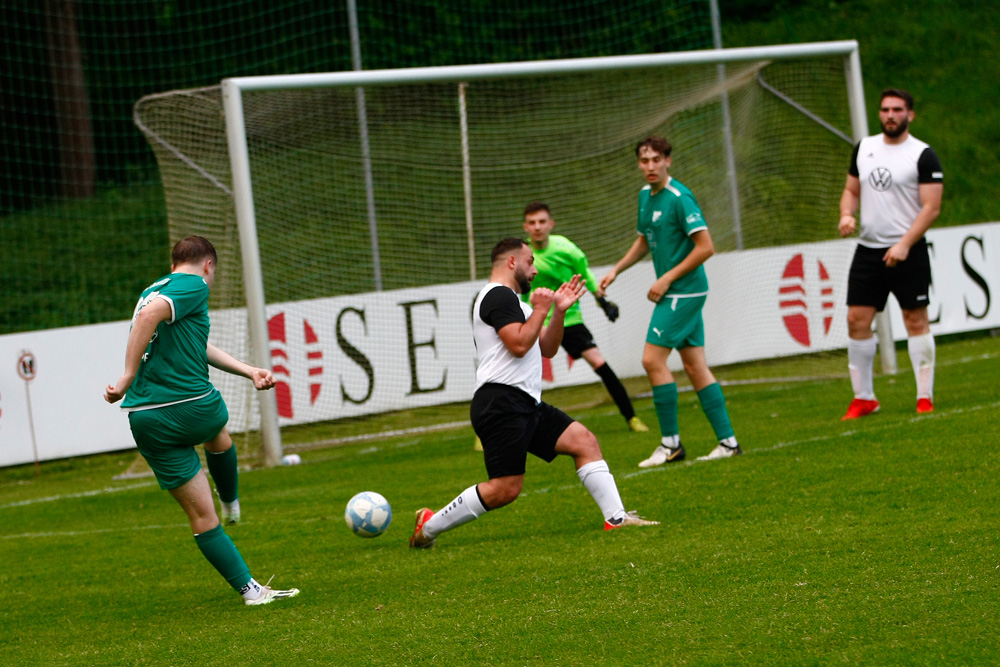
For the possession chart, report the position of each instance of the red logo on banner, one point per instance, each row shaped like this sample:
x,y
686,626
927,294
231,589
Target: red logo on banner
x,y
277,330
795,291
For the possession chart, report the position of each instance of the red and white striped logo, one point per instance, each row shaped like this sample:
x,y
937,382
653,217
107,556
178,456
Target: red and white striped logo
x,y
282,363
800,283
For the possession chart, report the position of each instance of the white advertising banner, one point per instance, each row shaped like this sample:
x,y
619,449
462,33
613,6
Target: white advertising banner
x,y
360,354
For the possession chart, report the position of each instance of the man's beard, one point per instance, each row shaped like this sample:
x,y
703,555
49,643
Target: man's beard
x,y
523,282
903,125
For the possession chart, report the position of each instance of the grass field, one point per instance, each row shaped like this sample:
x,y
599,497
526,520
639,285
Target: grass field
x,y
865,543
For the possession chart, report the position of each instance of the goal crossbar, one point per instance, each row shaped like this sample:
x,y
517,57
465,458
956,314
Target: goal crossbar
x,y
457,73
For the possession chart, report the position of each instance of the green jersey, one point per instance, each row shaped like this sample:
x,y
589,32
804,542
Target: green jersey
x,y
174,367
557,263
667,220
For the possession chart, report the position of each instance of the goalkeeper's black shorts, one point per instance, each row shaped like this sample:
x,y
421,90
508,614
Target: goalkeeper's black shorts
x,y
577,339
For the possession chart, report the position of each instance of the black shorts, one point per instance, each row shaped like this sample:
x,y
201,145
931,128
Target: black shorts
x,y
870,280
577,339
510,425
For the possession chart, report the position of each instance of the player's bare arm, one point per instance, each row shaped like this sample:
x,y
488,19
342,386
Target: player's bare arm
x,y
563,299
638,250
703,249
262,378
848,205
930,209
143,327
519,337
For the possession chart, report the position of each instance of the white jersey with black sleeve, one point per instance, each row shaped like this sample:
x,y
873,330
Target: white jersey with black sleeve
x,y
497,306
890,176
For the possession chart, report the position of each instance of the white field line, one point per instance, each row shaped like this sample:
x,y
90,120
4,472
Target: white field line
x,y
82,494
77,533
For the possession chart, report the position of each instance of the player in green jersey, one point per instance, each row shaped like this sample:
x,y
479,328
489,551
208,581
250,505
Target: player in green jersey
x,y
172,406
671,227
558,259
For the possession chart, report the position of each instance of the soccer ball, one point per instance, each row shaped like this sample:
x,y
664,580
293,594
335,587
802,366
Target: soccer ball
x,y
368,514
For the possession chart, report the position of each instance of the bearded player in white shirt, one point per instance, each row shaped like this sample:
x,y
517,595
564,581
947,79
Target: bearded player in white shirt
x,y
898,181
507,410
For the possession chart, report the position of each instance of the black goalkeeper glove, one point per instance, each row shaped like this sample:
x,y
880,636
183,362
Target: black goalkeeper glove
x,y
610,308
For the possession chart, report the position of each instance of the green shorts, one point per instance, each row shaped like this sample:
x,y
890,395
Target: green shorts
x,y
677,323
167,436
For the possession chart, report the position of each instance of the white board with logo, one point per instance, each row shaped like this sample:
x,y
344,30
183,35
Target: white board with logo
x,y
367,353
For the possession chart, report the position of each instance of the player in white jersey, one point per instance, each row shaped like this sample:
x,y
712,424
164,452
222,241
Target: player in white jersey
x,y
898,181
507,412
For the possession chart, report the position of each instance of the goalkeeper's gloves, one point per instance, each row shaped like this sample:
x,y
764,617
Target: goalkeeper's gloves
x,y
610,308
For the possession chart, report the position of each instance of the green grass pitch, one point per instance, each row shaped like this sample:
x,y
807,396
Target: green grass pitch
x,y
863,543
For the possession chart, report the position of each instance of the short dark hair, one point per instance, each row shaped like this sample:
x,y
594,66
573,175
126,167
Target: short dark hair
x,y
535,207
193,249
505,246
658,144
900,93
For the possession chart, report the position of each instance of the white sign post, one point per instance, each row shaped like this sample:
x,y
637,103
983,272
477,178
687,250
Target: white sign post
x,y
26,369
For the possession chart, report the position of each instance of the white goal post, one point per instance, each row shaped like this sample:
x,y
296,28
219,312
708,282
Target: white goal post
x,y
236,128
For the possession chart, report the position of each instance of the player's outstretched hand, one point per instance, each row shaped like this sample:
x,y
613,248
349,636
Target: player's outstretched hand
x,y
569,293
262,378
606,281
610,308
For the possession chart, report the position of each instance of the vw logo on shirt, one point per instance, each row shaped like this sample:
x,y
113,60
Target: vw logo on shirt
x,y
880,179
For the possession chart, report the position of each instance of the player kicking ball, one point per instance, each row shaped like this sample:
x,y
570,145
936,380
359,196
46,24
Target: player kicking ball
x,y
507,412
173,407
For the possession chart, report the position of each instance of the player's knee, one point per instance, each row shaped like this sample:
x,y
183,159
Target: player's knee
x,y
916,321
651,363
220,443
579,442
505,493
859,323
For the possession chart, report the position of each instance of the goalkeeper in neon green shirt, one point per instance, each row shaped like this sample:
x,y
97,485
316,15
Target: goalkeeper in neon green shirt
x,y
558,259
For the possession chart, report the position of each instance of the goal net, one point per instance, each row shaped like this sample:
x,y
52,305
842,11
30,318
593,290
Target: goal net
x,y
413,187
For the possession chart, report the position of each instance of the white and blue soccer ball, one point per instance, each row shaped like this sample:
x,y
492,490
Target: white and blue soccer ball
x,y
368,514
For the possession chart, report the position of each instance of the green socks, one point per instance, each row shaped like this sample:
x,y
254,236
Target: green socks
x,y
225,473
665,403
714,405
220,551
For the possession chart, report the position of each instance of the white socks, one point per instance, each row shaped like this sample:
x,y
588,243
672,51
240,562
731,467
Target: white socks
x,y
252,590
922,355
671,441
600,483
860,362
468,506
463,509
